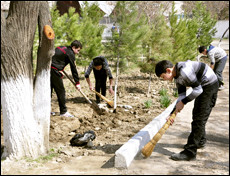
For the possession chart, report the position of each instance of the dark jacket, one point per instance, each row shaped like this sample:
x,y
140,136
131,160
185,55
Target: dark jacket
x,y
105,66
64,56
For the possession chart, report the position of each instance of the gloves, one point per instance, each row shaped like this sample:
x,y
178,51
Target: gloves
x,y
78,86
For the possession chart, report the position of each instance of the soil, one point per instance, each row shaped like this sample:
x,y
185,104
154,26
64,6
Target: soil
x,y
112,129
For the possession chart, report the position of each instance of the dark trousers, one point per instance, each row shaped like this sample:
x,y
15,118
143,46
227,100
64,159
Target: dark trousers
x,y
202,108
100,83
57,84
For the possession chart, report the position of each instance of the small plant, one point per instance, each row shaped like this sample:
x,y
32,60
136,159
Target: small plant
x,y
175,92
148,103
163,92
165,101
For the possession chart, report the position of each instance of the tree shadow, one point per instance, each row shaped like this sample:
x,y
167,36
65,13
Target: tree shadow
x,y
220,138
134,90
78,100
135,78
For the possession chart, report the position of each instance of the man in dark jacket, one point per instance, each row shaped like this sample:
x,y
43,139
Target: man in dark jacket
x,y
62,57
101,70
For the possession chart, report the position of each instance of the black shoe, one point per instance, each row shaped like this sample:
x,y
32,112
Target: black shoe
x,y
182,157
98,101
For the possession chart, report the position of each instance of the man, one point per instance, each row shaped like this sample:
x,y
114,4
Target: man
x,y
101,70
218,58
62,57
205,85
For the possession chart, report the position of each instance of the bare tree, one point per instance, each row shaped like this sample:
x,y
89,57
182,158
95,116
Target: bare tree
x,y
153,8
25,97
219,8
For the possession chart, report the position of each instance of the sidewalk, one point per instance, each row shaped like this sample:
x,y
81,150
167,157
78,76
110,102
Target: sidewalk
x,y
213,159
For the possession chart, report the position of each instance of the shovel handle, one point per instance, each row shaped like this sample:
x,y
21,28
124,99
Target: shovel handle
x,y
75,86
104,98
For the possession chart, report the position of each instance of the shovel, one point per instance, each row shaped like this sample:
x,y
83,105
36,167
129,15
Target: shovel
x,y
94,105
110,103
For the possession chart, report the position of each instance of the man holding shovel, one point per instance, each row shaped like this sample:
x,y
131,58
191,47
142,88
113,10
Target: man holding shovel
x,y
101,70
62,57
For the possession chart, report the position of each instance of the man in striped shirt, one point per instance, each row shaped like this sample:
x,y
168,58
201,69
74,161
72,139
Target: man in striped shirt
x,y
101,70
205,85
218,59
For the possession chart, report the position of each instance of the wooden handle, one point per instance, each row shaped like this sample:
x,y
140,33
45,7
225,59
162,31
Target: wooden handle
x,y
149,147
75,86
104,98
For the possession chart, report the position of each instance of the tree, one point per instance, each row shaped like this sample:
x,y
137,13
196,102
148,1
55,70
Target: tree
x,y
216,8
206,24
25,98
125,42
157,44
86,28
178,35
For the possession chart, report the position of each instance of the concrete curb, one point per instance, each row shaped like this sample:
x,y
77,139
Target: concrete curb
x,y
127,152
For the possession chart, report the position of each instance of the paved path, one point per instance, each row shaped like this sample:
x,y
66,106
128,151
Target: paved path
x,y
213,159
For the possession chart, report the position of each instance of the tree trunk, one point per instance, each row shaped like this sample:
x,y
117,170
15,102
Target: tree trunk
x,y
25,101
149,85
116,83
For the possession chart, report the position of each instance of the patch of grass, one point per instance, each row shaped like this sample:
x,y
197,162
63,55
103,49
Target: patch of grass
x,y
163,92
45,158
148,104
165,101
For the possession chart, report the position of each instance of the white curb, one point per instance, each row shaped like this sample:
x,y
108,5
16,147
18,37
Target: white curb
x,y
126,153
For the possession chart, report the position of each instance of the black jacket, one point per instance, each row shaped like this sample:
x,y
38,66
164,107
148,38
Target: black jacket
x,y
62,57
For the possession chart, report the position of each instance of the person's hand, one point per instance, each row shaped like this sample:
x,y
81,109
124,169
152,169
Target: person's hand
x,y
179,107
91,87
111,90
171,120
78,86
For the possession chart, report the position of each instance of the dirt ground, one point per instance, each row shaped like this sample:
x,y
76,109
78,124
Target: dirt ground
x,y
112,129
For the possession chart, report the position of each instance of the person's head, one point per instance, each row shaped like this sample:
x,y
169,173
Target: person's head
x,y
76,46
98,62
164,70
203,50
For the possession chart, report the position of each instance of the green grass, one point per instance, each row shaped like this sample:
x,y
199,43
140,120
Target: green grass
x,y
148,104
165,101
44,158
163,92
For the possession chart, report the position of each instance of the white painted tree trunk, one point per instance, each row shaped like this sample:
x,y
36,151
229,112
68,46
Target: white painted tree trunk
x,y
19,126
116,83
25,99
42,107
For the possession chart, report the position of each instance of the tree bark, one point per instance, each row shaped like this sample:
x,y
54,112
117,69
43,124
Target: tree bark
x,y
25,100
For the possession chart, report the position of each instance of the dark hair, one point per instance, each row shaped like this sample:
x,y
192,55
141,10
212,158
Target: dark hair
x,y
98,60
162,66
76,43
202,48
